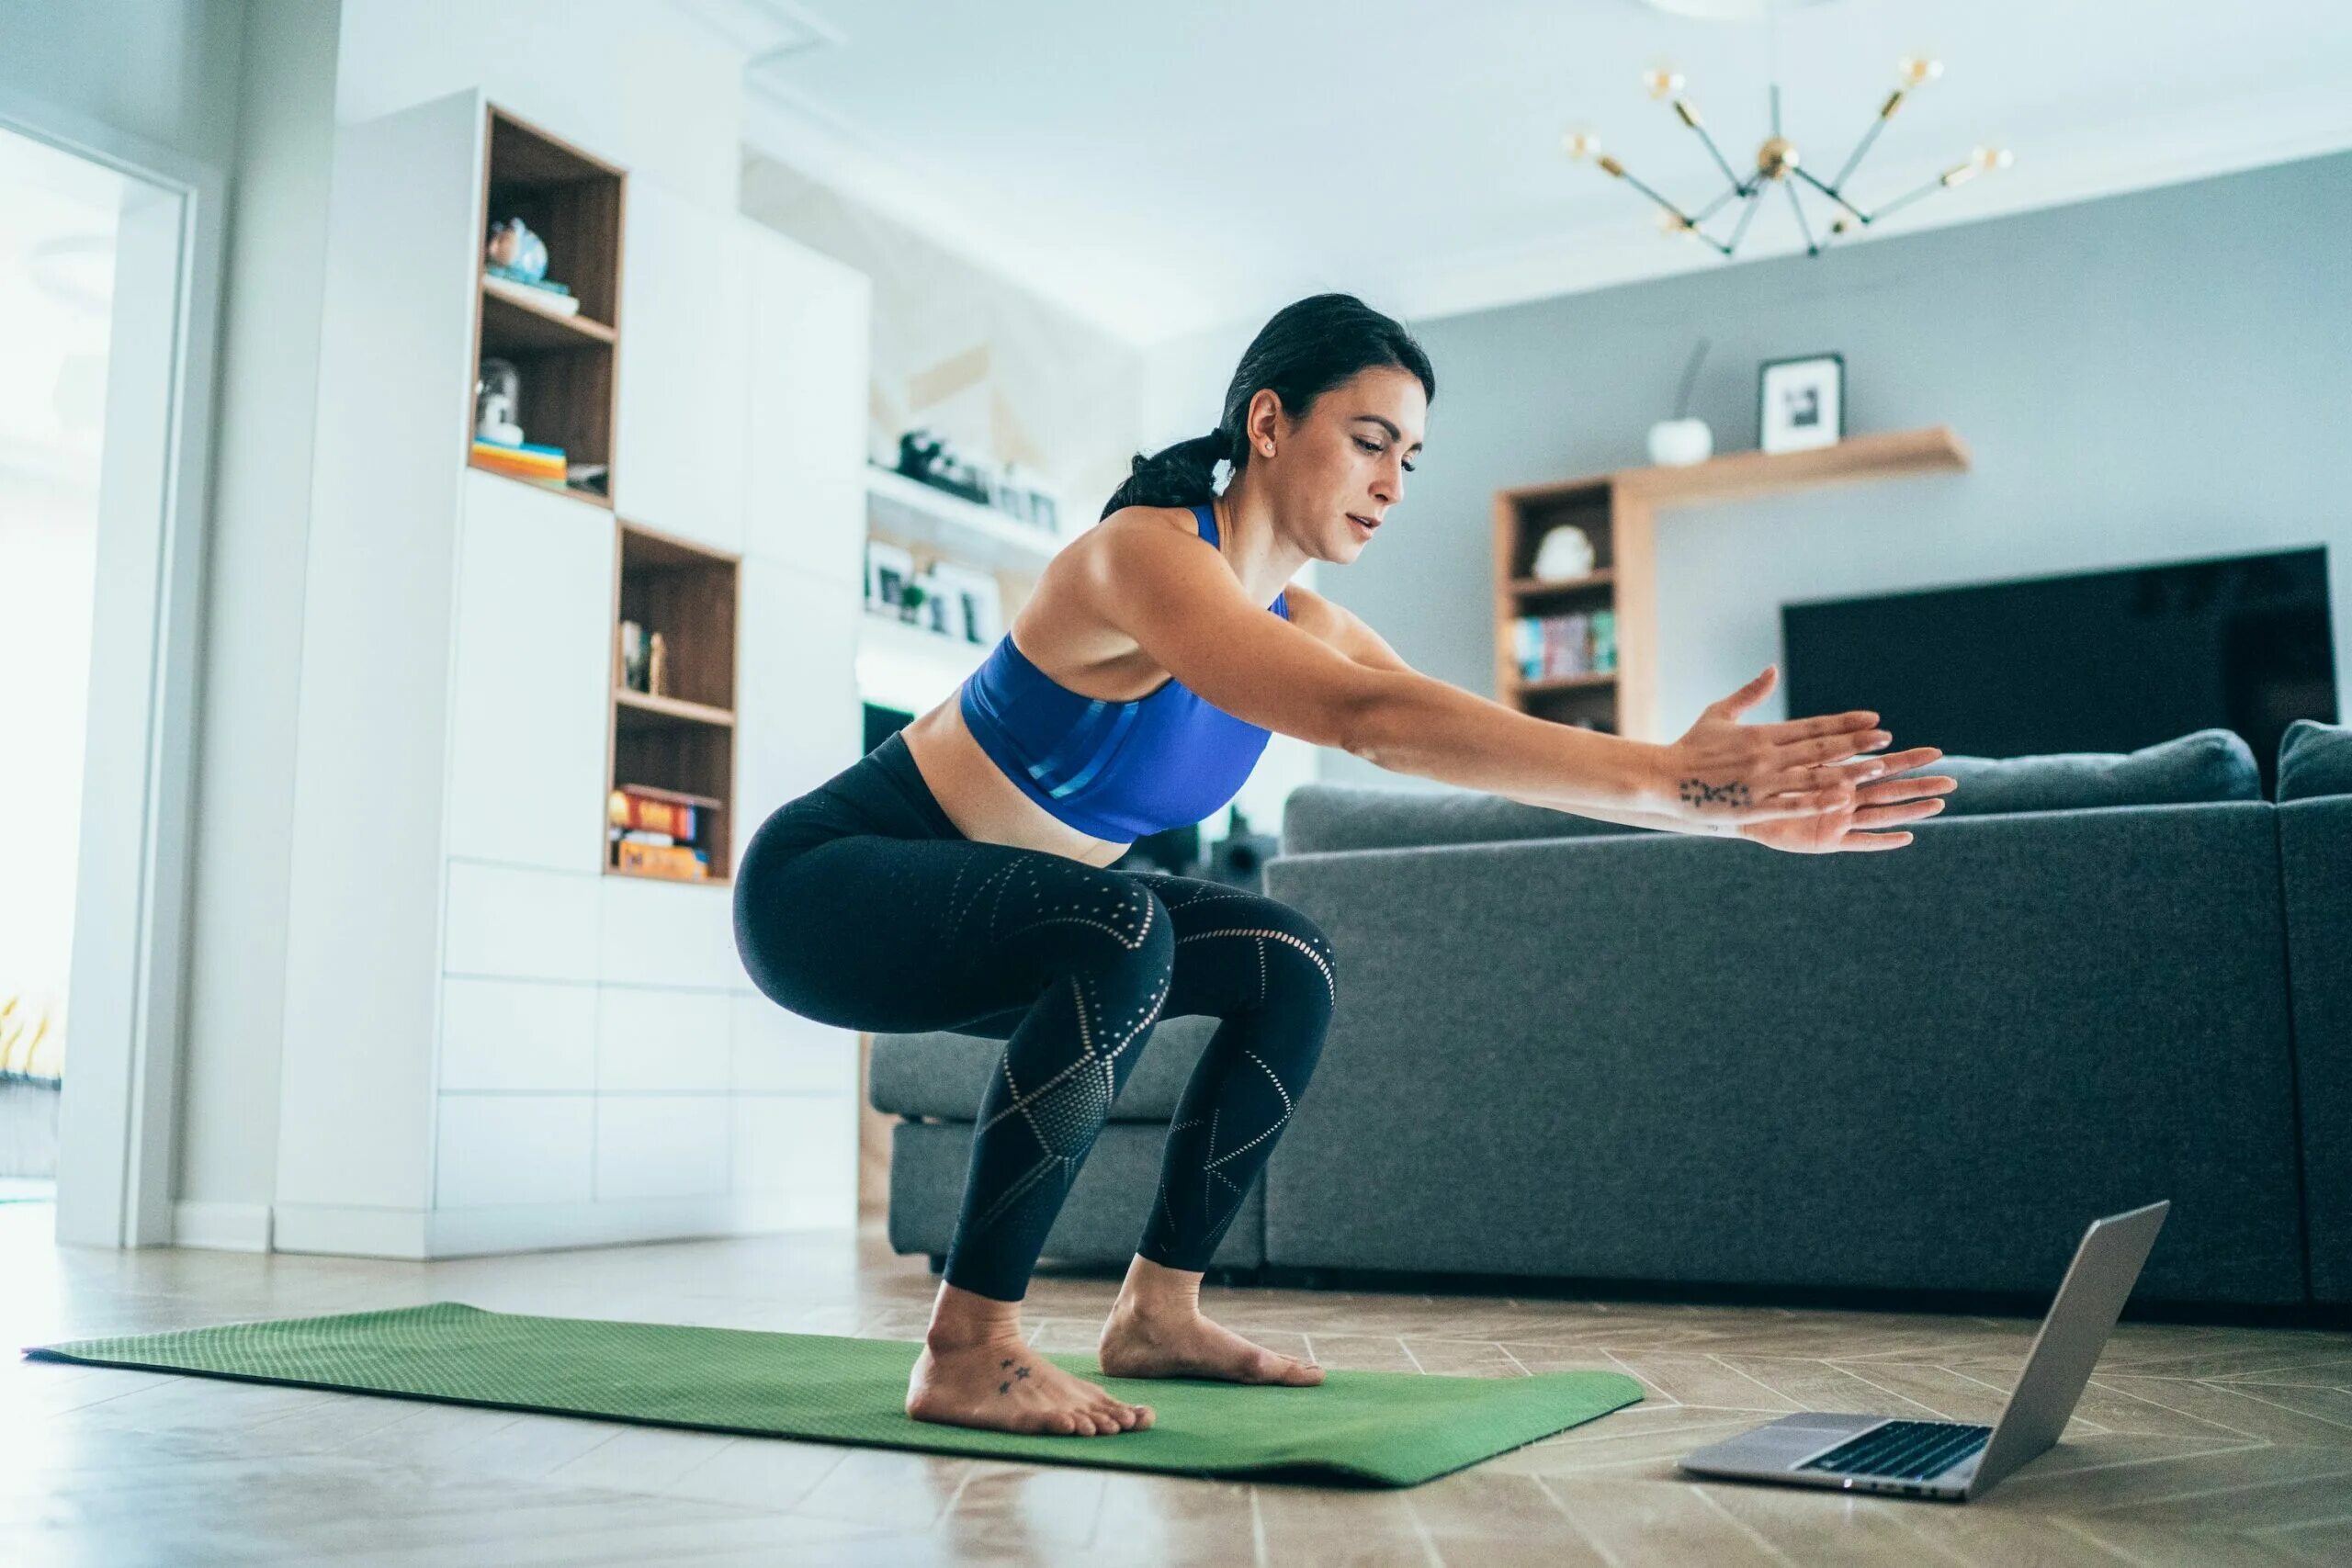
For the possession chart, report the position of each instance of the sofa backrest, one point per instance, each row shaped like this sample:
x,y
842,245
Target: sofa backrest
x,y
1318,817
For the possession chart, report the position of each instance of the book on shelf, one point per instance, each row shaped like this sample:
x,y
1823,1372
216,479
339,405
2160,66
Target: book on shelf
x,y
674,861
549,300
1583,642
632,809
525,461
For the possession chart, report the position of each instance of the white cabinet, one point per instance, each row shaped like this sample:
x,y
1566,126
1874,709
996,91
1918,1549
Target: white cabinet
x,y
804,1151
777,1052
523,925
667,933
649,1040
514,1148
799,719
677,463
662,1146
517,1035
478,1017
527,702
805,448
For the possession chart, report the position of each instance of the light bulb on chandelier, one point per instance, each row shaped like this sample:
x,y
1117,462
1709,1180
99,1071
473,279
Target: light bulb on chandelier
x,y
1779,162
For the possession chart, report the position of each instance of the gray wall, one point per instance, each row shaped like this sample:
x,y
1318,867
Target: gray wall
x,y
2152,377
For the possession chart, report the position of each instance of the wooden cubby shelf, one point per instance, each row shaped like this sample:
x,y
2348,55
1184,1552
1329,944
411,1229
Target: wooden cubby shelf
x,y
1538,588
677,741
564,364
1618,511
639,708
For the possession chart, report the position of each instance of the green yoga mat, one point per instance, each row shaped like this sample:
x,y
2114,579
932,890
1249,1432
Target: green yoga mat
x,y
1385,1428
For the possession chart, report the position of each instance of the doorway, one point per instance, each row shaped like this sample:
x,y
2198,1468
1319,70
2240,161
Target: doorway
x,y
109,269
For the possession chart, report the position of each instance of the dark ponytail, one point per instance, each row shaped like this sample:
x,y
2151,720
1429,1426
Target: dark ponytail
x,y
1305,350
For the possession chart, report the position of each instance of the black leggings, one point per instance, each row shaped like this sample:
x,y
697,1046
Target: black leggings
x,y
861,905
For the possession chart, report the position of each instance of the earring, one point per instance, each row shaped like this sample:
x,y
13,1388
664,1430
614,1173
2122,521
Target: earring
x,y
1267,447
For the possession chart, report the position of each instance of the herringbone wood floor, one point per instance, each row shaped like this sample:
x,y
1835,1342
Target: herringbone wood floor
x,y
2194,1445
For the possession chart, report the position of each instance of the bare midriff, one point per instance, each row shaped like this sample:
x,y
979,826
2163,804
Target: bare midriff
x,y
984,805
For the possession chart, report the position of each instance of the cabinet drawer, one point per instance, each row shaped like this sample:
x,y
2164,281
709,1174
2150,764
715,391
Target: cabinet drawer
x,y
661,1145
518,1034
668,933
520,924
776,1052
655,1040
803,1149
513,1148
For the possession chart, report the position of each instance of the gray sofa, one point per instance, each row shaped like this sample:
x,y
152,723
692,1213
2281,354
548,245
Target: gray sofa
x,y
1578,1052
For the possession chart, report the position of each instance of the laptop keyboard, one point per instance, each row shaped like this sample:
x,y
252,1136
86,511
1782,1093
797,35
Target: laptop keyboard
x,y
1909,1450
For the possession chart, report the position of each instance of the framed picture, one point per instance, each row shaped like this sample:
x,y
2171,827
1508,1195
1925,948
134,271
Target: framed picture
x,y
974,607
1801,403
889,569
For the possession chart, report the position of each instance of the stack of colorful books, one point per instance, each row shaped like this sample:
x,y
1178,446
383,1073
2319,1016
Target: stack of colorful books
x,y
658,832
1549,647
541,464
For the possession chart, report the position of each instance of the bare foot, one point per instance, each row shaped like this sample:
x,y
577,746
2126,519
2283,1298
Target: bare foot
x,y
1002,1385
1174,1340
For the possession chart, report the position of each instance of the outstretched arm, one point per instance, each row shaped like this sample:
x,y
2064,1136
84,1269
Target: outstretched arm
x,y
1877,807
1179,603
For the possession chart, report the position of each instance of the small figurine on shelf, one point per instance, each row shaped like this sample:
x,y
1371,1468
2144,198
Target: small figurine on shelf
x,y
514,253
633,670
498,393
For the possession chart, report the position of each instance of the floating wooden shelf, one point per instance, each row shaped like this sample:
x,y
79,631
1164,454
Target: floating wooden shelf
x,y
1540,588
1619,511
1738,475
640,707
1567,684
509,326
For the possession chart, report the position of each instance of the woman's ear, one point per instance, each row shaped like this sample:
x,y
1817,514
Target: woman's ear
x,y
1264,416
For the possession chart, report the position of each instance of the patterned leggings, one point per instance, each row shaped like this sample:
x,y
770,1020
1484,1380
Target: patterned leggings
x,y
860,905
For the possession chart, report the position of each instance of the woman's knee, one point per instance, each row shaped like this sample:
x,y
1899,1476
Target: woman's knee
x,y
1300,960
1119,925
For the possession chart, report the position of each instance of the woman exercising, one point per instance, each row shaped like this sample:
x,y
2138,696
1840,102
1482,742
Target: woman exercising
x,y
958,877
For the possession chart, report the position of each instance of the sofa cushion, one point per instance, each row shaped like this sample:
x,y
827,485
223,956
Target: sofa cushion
x,y
1322,816
1102,1220
2314,758
2207,765
943,1073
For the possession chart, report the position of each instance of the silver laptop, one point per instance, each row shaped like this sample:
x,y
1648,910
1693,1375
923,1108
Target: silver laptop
x,y
1948,1459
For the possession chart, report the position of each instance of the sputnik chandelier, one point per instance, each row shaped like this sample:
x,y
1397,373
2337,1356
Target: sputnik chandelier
x,y
1778,164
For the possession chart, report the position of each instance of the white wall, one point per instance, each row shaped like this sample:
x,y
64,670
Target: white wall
x,y
252,636
164,70
629,81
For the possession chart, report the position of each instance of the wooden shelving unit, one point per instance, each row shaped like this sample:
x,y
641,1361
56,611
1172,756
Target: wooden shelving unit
x,y
1619,512
565,364
679,738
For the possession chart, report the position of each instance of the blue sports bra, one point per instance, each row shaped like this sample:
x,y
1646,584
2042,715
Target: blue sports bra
x,y
1115,771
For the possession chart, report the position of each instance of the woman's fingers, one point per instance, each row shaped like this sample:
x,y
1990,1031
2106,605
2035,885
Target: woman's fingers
x,y
1875,816
1888,792
1785,731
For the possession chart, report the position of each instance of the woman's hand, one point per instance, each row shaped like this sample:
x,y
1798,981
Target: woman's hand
x,y
1800,771
1876,808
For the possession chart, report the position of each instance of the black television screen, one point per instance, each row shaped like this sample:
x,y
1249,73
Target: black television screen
x,y
2101,661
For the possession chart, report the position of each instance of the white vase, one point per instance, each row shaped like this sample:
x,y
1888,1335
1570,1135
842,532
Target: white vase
x,y
1678,443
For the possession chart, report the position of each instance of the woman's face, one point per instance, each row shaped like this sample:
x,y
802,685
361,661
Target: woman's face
x,y
1334,474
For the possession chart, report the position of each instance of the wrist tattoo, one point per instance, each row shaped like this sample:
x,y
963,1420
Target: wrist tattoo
x,y
1697,792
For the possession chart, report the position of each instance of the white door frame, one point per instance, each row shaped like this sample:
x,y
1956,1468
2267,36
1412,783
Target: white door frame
x,y
118,1131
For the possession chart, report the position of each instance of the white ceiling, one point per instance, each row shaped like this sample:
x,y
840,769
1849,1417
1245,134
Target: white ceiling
x,y
1162,166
